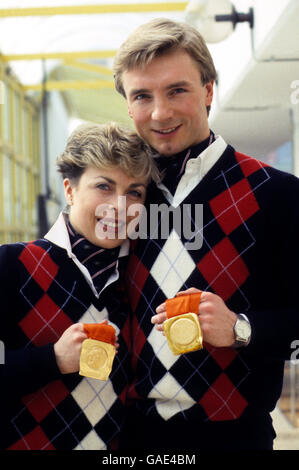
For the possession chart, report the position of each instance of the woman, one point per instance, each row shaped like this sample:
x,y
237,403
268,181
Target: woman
x,y
50,287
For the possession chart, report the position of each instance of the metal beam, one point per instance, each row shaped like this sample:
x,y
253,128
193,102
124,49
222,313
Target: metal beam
x,y
89,67
93,9
59,55
70,85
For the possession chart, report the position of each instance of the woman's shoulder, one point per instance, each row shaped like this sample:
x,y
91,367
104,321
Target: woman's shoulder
x,y
11,249
28,251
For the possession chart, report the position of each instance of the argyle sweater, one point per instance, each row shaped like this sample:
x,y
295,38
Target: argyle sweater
x,y
42,293
249,257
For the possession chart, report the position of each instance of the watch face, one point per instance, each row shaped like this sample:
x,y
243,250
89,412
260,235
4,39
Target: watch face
x,y
243,330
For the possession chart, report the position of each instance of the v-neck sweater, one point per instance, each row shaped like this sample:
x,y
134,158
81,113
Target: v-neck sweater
x,y
249,256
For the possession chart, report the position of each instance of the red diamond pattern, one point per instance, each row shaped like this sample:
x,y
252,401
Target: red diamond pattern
x,y
249,165
223,401
139,273
139,339
45,323
39,265
41,403
223,356
224,269
35,440
234,206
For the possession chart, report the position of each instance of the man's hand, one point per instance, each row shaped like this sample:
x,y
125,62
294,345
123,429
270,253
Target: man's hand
x,y
68,348
216,320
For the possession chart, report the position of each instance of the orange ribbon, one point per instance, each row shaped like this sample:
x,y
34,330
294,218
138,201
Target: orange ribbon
x,y
183,303
100,332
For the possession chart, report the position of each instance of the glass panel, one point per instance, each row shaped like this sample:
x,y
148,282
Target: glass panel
x,y
7,189
6,115
17,123
18,199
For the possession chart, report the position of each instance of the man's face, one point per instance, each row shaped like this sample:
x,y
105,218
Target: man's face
x,y
167,101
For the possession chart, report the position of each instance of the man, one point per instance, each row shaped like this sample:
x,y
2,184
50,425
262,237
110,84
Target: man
x,y
219,397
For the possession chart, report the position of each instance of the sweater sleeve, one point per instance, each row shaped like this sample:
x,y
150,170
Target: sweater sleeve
x,y
27,369
275,331
23,369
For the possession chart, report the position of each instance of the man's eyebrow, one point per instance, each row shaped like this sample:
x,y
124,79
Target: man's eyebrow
x,y
138,91
179,84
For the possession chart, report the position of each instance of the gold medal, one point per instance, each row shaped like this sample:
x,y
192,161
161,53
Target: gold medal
x,y
96,359
182,329
98,351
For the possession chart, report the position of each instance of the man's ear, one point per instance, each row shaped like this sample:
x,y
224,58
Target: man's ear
x,y
209,92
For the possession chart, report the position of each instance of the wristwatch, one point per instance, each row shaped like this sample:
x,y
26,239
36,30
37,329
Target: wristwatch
x,y
242,331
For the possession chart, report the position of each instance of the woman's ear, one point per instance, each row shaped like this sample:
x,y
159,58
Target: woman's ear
x,y
68,191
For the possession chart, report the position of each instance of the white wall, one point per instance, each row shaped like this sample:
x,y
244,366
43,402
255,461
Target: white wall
x,y
267,13
234,55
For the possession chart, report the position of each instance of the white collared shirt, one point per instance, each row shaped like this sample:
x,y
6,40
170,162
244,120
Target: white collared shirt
x,y
196,169
58,234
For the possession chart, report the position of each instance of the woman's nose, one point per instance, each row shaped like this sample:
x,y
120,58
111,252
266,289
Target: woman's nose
x,y
118,203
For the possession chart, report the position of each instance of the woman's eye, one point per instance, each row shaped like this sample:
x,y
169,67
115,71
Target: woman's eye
x,y
136,194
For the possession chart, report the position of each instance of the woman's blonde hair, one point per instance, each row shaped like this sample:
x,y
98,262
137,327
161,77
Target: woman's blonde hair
x,y
162,36
103,146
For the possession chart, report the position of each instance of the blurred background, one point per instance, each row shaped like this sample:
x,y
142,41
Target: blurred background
x,y
56,71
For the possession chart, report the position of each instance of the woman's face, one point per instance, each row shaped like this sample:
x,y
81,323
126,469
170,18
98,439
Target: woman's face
x,y
99,203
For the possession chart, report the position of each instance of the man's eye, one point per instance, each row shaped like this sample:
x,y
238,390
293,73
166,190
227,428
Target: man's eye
x,y
179,90
140,97
103,186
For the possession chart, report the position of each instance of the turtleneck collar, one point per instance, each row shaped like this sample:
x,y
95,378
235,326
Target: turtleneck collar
x,y
100,262
174,166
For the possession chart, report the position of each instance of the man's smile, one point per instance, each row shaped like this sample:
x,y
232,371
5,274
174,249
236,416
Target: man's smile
x,y
167,131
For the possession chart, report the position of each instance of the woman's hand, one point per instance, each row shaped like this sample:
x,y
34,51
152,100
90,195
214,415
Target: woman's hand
x,y
68,348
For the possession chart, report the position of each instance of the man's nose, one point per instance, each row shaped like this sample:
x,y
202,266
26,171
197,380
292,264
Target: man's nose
x,y
162,110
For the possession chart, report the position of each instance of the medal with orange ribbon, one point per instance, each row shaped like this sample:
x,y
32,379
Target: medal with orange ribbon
x,y
98,351
182,328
